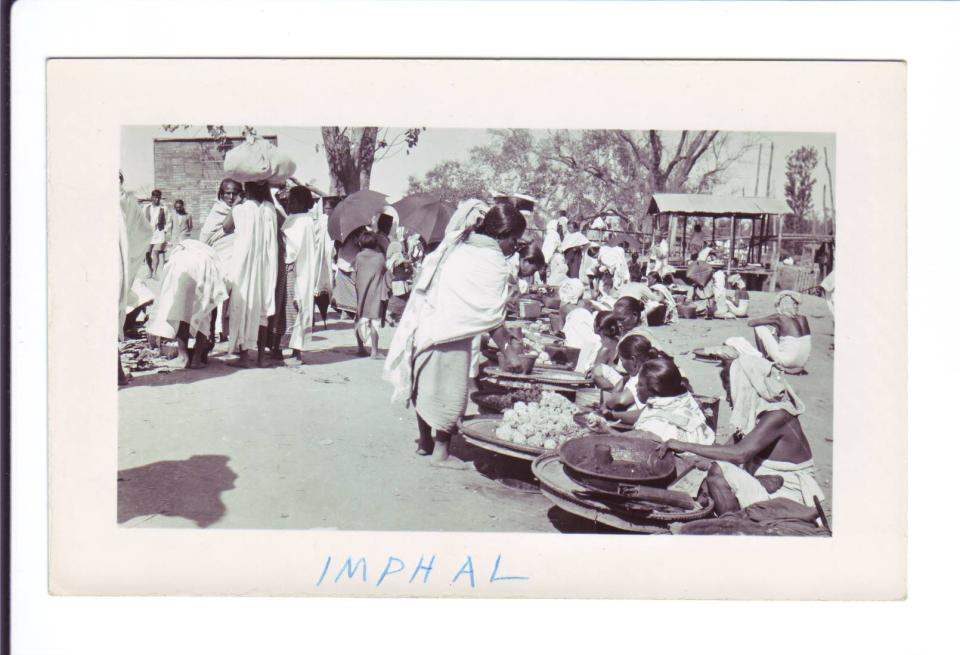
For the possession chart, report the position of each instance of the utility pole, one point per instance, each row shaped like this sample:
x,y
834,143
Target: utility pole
x,y
826,163
769,169
824,205
756,187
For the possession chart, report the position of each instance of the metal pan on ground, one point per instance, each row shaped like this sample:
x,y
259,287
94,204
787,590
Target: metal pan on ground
x,y
607,461
481,432
563,491
544,376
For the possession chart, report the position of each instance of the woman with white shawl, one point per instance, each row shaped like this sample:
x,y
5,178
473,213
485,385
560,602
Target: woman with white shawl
x,y
461,292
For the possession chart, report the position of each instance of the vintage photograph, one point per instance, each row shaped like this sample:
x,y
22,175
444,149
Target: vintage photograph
x,y
491,330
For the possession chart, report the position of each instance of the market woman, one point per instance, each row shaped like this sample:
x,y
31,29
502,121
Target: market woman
x,y
461,292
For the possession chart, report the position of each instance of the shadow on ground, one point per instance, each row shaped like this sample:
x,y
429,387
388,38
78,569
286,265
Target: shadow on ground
x,y
187,488
216,368
572,524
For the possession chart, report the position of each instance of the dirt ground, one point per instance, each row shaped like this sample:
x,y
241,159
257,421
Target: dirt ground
x,y
320,447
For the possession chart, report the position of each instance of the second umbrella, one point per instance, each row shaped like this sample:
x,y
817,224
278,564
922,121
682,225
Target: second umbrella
x,y
426,214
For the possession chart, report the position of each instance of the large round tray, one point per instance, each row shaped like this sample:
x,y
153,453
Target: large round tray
x,y
548,376
481,432
556,485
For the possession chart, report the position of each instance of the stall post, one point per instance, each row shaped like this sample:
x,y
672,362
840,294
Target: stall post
x,y
733,243
776,258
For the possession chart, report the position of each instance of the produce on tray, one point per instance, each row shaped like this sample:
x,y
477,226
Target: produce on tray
x,y
505,401
544,424
595,422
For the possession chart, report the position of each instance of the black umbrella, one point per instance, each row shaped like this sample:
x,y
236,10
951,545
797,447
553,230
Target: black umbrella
x,y
426,214
356,211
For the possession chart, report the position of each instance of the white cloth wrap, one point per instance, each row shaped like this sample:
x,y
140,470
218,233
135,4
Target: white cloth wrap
x,y
462,291
757,386
551,241
678,417
578,333
191,288
252,274
799,482
300,250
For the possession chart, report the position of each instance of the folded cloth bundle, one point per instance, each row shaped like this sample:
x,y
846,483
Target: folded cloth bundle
x,y
256,160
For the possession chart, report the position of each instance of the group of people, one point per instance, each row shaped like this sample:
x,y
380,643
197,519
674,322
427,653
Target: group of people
x,y
169,229
263,261
463,293
252,276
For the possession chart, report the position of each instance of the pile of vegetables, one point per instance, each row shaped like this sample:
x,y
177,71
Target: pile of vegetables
x,y
544,424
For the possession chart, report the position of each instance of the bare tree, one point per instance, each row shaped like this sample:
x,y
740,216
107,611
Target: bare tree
x,y
352,151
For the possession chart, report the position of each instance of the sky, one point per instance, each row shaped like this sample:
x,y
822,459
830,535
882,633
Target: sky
x,y
390,175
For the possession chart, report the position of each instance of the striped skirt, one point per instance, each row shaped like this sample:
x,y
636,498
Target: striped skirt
x,y
281,323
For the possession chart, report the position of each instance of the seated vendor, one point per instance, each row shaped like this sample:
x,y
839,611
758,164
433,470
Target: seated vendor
x,y
527,261
774,458
627,311
784,337
738,298
633,352
666,305
666,408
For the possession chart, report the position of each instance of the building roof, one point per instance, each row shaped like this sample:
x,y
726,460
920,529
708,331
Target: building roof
x,y
696,204
231,137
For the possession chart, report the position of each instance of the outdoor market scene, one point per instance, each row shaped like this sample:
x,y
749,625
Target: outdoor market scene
x,y
427,329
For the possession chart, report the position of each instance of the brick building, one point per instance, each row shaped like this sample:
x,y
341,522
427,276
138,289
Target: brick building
x,y
190,169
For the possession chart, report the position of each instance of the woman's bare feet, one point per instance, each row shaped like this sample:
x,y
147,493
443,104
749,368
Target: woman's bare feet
x,y
240,361
377,355
198,359
441,458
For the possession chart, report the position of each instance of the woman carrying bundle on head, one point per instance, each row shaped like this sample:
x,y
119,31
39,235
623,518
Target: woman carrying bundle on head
x,y
461,292
254,261
252,275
